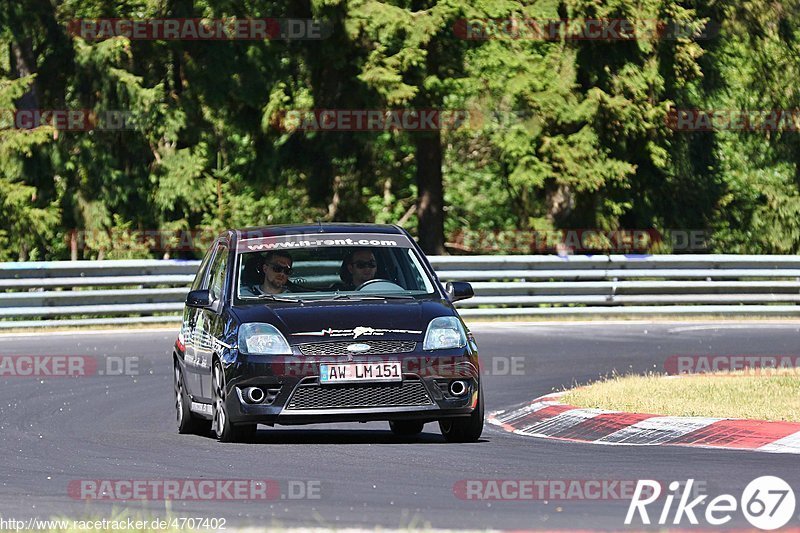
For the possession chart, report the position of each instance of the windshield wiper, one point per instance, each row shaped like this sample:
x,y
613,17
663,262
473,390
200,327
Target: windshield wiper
x,y
366,297
346,297
278,298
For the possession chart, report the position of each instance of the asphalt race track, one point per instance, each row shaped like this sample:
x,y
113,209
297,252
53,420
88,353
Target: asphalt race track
x,y
55,430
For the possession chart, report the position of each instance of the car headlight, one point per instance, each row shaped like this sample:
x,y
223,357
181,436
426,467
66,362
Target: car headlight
x,y
262,339
444,332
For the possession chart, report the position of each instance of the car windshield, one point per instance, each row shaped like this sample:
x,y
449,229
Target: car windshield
x,y
326,266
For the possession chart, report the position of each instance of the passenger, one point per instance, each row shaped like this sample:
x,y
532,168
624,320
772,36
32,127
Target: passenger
x,y
358,267
277,268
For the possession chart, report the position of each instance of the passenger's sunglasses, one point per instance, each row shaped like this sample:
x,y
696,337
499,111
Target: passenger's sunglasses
x,y
365,264
280,268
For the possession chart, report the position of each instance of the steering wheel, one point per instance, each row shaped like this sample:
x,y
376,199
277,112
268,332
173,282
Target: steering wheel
x,y
371,282
296,285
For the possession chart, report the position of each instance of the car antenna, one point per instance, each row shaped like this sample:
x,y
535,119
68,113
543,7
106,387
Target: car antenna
x,y
319,221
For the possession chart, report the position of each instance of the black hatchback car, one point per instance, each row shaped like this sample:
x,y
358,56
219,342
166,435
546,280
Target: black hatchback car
x,y
309,324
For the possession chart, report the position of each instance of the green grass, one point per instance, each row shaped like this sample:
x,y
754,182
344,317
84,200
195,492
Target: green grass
x,y
774,396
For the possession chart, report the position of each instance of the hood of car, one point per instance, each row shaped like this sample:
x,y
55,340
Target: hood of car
x,y
343,321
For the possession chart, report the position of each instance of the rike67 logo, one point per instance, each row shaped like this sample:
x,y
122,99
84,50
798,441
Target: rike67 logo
x,y
767,502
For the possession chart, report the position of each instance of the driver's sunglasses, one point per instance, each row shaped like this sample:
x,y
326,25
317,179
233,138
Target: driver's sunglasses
x,y
280,268
365,264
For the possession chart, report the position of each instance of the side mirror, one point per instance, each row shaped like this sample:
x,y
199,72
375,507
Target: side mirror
x,y
200,298
459,290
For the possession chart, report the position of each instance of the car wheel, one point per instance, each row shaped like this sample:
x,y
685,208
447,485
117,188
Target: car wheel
x,y
464,429
187,422
221,424
406,428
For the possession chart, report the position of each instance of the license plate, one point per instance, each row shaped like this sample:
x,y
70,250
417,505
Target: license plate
x,y
360,372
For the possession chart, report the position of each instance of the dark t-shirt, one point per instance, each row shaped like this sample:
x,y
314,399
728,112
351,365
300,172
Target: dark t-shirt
x,y
256,290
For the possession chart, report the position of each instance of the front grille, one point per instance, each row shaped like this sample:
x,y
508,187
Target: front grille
x,y
340,348
409,393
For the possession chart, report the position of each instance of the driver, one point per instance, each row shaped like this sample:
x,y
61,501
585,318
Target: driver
x,y
360,266
277,268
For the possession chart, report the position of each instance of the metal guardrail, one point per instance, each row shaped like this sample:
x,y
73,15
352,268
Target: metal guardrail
x,y
92,293
36,294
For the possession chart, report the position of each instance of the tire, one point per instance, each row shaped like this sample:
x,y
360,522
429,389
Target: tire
x,y
221,423
464,429
187,421
406,428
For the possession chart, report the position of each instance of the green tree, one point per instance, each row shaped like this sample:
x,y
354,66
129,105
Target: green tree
x,y
27,222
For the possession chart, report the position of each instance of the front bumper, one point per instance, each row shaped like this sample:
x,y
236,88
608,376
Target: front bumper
x,y
295,395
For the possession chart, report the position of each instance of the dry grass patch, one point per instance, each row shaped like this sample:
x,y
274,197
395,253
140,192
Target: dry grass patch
x,y
769,396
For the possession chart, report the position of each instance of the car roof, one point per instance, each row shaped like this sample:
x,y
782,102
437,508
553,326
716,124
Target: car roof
x,y
319,228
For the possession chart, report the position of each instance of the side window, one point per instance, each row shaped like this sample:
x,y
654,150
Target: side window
x,y
421,279
201,272
218,271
